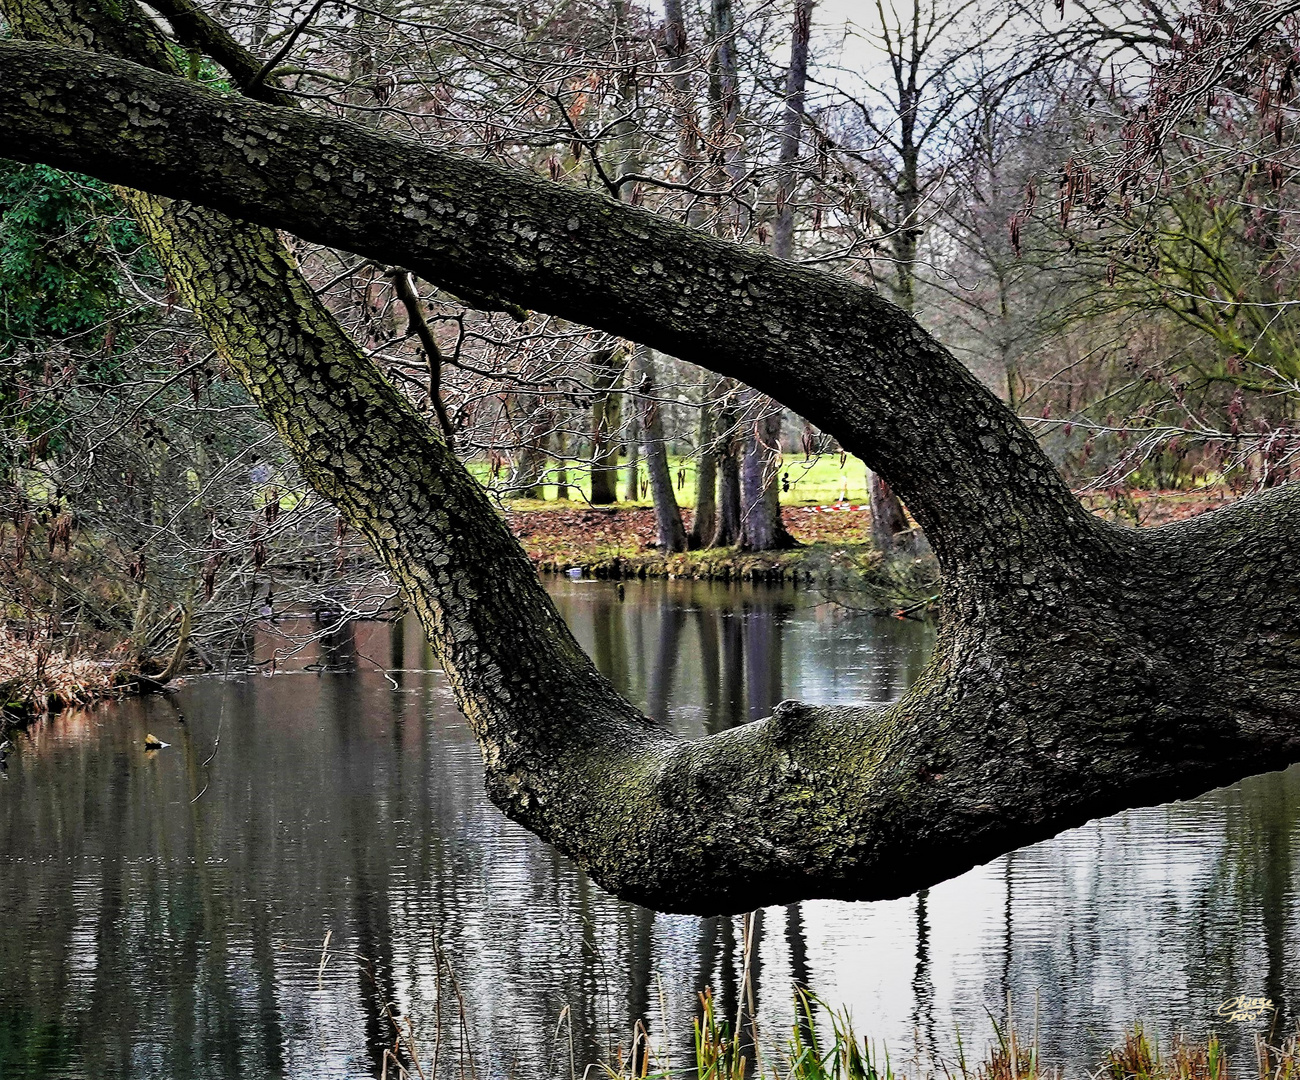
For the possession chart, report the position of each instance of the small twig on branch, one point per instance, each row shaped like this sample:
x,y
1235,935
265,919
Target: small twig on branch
x,y
417,325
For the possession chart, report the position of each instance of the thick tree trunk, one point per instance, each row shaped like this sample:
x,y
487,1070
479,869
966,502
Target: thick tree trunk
x,y
728,528
1081,667
761,527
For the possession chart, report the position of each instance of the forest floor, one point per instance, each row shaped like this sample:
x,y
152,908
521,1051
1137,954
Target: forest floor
x,y
618,541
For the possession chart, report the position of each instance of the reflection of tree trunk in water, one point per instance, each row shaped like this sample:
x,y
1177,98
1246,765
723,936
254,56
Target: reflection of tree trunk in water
x,y
369,893
609,632
1007,957
585,1018
640,978
268,1008
800,976
887,517
707,958
1277,871
110,993
733,668
727,990
884,675
750,981
706,623
797,943
763,628
705,521
397,651
672,620
338,648
922,980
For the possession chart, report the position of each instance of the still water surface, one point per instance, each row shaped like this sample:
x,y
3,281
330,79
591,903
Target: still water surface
x,y
160,917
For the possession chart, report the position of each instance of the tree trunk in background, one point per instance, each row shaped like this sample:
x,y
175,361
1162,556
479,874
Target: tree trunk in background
x,y
761,526
670,534
605,424
632,473
688,122
727,532
704,520
704,523
887,516
531,422
1082,667
796,82
562,466
726,166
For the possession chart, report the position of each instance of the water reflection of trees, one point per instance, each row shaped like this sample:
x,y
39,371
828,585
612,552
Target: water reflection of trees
x,y
144,931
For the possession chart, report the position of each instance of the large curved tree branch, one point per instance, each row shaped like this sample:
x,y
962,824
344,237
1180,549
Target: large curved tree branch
x,y
834,351
1081,668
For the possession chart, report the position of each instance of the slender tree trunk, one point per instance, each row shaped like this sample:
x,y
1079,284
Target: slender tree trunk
x,y
796,82
1082,667
887,516
670,535
562,468
725,151
533,427
606,423
705,520
632,483
762,528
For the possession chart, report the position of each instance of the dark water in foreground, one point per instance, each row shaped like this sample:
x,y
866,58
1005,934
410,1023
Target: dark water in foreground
x,y
145,934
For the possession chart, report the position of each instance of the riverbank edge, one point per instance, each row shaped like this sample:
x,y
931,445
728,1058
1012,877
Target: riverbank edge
x,y
852,575
25,699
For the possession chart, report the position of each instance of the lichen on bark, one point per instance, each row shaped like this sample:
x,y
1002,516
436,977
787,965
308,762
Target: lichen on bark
x,y
1080,667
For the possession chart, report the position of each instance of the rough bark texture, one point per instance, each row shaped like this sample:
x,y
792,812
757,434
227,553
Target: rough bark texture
x,y
1081,667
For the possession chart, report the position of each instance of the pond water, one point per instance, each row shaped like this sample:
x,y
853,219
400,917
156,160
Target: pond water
x,y
162,914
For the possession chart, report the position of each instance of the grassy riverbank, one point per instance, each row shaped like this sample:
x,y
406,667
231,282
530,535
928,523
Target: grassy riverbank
x,y
823,1044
